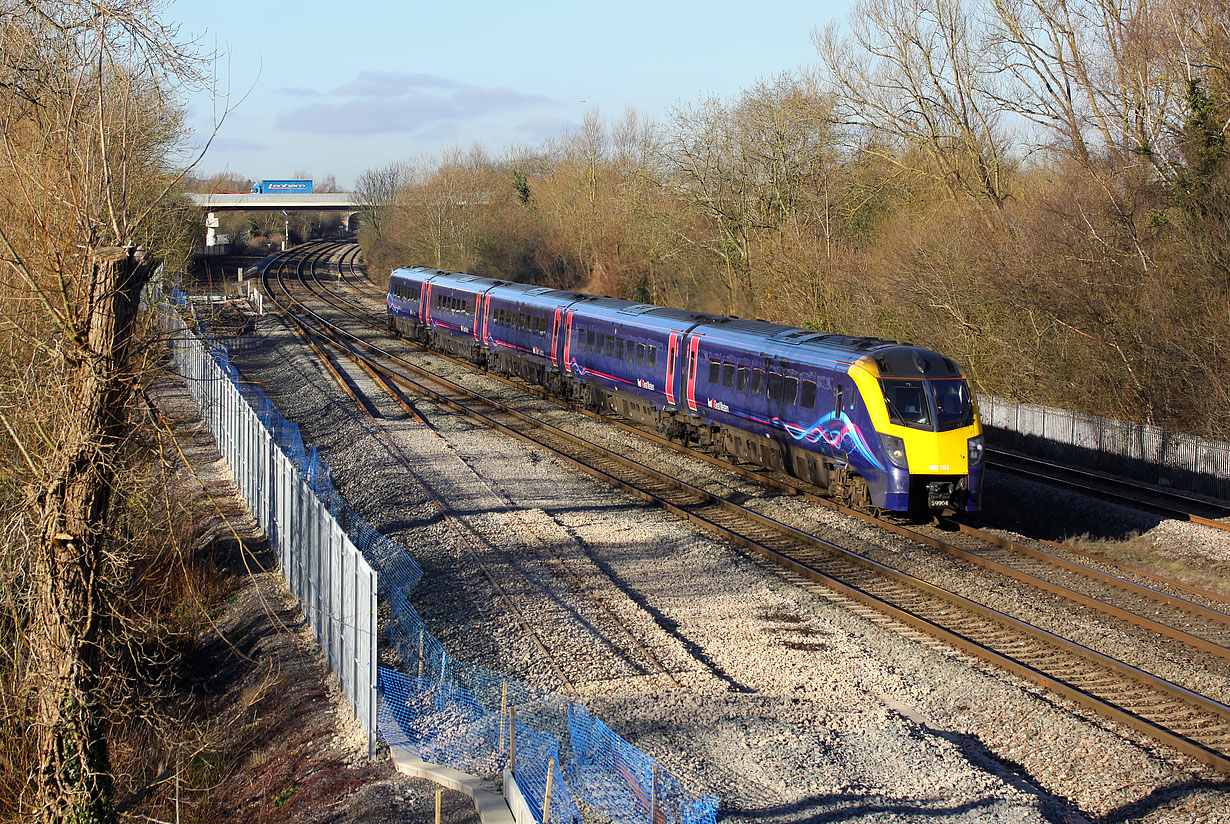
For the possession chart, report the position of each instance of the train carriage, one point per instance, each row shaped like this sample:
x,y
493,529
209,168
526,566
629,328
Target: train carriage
x,y
523,330
879,424
406,288
628,355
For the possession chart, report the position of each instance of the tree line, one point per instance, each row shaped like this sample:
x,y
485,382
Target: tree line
x,y
1037,188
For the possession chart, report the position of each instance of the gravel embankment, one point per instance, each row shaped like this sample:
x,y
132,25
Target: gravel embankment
x,y
789,708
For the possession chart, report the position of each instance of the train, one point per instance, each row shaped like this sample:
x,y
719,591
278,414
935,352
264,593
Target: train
x,y
282,187
882,426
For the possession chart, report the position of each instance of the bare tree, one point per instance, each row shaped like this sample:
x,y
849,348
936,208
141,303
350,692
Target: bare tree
x,y
86,122
918,72
376,190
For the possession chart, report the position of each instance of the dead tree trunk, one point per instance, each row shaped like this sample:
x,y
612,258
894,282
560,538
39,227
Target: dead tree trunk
x,y
71,563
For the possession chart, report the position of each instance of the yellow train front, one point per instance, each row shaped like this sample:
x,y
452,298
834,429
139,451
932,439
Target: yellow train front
x,y
921,406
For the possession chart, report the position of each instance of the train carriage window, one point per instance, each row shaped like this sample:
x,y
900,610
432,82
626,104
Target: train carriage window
x,y
640,354
775,386
757,381
715,371
619,349
653,356
808,399
630,352
728,375
610,346
743,378
790,390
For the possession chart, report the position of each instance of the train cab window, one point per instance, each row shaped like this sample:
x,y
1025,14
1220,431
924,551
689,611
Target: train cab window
x,y
728,375
953,405
652,356
743,378
907,403
790,390
808,398
715,371
640,354
757,381
775,386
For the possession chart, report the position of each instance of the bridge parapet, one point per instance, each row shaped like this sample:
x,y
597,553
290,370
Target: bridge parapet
x,y
335,201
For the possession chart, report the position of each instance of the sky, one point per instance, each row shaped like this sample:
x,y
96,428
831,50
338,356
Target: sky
x,y
338,88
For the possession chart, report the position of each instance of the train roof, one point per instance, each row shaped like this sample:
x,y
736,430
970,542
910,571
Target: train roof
x,y
547,296
617,310
892,359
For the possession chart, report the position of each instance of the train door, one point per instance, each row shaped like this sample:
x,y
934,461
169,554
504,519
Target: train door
x,y
559,310
693,348
672,354
568,342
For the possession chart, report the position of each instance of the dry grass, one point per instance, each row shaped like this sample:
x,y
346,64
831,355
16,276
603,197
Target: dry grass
x,y
1144,553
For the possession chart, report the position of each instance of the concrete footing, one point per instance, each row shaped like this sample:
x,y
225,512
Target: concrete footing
x,y
491,806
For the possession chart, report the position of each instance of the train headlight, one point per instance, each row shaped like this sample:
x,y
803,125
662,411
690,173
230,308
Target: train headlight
x,y
894,448
976,450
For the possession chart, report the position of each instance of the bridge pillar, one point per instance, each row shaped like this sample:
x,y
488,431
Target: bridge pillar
x,y
211,229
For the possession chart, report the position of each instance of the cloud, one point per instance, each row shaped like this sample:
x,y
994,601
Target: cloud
x,y
393,102
299,91
385,84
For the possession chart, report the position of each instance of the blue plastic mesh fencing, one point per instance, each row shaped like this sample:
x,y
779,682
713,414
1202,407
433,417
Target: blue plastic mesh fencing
x,y
445,724
624,782
455,713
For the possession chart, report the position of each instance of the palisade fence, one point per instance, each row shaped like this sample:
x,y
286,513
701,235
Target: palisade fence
x,y
327,573
1134,450
446,710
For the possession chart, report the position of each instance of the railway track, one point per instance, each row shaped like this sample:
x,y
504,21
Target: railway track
x,y
1201,623
1172,713
1169,502
504,573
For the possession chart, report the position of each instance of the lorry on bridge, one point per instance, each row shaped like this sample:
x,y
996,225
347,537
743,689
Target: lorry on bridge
x,y
282,187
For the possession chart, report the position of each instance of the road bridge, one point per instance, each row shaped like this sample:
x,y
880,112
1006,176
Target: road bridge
x,y
282,202
243,202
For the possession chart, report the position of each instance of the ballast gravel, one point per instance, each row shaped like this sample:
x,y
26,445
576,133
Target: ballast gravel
x,y
743,682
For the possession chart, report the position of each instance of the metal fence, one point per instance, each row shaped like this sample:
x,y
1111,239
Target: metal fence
x,y
449,711
322,566
1134,450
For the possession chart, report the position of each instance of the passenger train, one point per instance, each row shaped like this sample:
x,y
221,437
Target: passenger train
x,y
882,425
